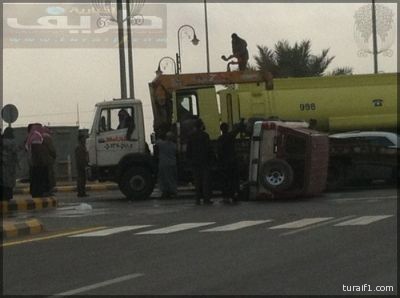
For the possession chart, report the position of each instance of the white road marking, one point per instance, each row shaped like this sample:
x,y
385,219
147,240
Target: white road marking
x,y
100,284
237,225
301,223
363,220
367,199
317,225
176,228
111,231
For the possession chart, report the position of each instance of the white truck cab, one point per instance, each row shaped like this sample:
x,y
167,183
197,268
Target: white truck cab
x,y
117,148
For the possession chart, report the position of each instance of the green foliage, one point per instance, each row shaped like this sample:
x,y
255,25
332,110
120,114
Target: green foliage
x,y
292,61
341,71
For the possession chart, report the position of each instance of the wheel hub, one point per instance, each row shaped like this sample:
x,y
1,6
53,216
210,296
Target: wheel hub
x,y
137,183
275,178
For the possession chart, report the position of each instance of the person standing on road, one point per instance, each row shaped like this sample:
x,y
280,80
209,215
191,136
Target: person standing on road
x,y
228,162
51,158
9,163
199,155
1,162
167,169
82,160
39,161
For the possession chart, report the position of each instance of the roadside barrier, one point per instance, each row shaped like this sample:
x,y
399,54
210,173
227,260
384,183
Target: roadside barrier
x,y
28,204
11,229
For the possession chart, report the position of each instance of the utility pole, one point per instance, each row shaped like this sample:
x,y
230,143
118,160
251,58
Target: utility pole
x,y
374,40
207,48
130,51
77,115
121,44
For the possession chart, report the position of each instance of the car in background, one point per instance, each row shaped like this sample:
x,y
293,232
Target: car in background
x,y
363,157
379,138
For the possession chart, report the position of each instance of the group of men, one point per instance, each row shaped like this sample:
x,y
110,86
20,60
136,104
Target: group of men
x,y
202,158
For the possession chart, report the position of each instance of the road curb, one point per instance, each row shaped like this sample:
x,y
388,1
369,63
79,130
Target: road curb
x,y
72,188
28,204
11,229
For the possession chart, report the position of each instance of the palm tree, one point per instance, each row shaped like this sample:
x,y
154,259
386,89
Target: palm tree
x,y
292,61
341,71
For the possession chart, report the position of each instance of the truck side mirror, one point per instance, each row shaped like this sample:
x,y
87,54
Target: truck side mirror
x,y
153,138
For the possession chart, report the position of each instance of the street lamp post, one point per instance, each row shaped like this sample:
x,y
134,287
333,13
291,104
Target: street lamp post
x,y
130,51
207,46
121,43
374,40
159,71
194,40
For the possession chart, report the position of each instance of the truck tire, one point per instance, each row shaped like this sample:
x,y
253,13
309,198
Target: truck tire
x,y
137,183
276,175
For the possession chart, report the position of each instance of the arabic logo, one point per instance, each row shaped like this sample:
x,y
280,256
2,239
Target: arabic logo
x,y
108,11
385,29
55,10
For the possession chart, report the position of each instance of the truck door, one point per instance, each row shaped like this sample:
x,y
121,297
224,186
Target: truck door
x,y
208,111
229,108
185,113
113,141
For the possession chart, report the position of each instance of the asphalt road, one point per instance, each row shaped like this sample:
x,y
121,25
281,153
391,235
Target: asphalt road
x,y
332,245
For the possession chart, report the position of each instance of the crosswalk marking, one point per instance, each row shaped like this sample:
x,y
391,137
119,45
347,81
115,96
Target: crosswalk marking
x,y
324,223
111,231
363,220
301,223
297,226
176,228
237,225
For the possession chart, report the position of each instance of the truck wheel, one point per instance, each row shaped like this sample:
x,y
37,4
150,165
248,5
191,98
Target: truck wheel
x,y
276,174
336,176
137,183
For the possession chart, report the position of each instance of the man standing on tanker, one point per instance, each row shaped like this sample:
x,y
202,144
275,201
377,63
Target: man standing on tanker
x,y
239,51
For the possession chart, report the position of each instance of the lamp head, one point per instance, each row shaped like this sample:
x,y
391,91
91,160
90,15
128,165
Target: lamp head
x,y
195,40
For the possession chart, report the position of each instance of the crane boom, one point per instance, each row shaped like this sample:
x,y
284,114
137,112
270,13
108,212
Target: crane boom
x,y
164,85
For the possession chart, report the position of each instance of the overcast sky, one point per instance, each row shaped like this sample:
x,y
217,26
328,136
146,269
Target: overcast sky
x,y
47,84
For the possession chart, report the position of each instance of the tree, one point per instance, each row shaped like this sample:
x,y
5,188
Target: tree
x,y
292,61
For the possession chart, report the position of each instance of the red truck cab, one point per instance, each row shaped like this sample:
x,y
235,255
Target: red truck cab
x,y
287,160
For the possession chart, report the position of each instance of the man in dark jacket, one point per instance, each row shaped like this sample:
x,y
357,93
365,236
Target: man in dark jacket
x,y
82,160
228,162
199,155
239,51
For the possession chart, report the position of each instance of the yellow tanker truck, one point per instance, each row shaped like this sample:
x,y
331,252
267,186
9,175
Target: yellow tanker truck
x,y
330,103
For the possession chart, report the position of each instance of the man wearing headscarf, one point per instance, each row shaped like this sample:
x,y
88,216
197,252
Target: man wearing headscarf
x,y
51,157
39,161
